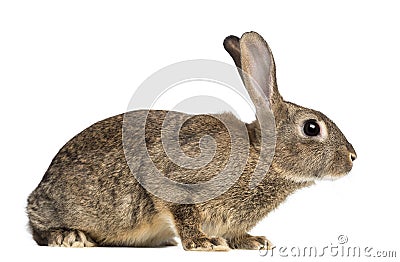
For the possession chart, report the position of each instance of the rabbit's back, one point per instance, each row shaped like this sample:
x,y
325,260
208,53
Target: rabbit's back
x,y
89,185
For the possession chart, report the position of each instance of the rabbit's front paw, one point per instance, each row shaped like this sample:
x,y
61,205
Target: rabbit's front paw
x,y
249,242
205,244
69,238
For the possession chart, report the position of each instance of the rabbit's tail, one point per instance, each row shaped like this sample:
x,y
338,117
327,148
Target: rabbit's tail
x,y
45,227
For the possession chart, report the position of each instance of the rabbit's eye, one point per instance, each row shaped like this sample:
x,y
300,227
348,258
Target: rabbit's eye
x,y
311,128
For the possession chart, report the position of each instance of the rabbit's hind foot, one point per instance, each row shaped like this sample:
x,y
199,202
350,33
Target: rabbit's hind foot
x,y
69,238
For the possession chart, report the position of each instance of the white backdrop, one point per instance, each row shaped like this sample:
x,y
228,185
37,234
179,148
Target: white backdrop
x,y
65,65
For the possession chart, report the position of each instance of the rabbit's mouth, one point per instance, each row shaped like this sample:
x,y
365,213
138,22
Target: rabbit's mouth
x,y
336,172
342,163
333,177
330,173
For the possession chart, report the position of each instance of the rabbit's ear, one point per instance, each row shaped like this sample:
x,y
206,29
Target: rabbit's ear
x,y
258,64
232,46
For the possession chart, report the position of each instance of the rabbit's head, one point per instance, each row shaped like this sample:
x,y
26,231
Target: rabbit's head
x,y
309,145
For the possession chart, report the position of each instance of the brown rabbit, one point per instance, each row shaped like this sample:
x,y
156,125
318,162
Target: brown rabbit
x,y
92,193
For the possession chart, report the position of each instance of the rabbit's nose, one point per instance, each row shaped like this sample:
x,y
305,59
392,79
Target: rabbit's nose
x,y
353,156
352,152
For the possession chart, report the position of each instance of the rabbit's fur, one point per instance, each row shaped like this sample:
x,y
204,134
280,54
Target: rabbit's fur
x,y
89,197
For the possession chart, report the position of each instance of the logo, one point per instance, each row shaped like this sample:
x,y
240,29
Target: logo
x,y
166,159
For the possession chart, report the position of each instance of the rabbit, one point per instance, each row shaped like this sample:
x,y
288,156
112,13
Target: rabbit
x,y
90,195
